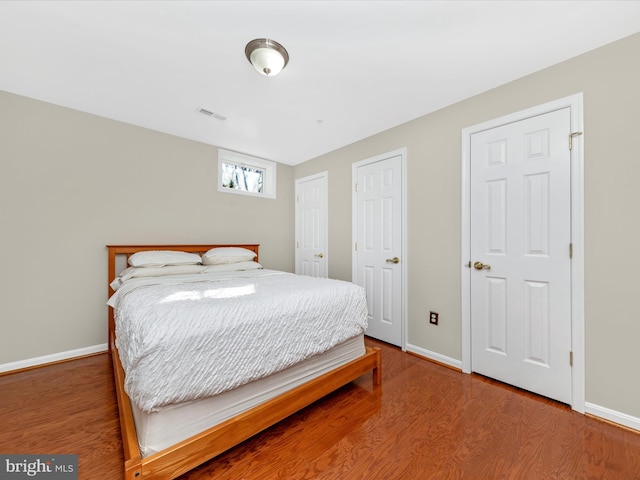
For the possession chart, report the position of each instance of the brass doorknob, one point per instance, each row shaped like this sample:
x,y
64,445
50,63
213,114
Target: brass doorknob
x,y
319,255
480,266
393,260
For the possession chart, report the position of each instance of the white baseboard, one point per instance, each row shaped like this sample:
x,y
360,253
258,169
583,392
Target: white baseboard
x,y
452,362
54,357
612,415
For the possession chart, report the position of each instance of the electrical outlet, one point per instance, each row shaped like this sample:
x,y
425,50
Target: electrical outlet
x,y
433,318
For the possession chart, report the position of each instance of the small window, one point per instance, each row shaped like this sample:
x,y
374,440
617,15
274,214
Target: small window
x,y
238,173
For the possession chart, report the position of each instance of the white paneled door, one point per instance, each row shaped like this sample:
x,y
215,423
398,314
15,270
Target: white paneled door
x,y
378,245
311,226
520,254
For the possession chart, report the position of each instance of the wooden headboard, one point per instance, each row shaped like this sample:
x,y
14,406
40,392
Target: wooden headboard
x,y
117,251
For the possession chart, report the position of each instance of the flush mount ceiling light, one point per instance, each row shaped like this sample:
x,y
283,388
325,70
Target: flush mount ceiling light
x,y
268,57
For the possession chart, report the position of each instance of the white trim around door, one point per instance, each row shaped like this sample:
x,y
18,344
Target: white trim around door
x,y
575,103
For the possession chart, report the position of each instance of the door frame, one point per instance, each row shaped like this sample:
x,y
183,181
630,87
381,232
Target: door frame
x,y
575,103
325,227
402,152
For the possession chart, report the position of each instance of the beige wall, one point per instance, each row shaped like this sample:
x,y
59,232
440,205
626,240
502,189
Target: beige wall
x,y
609,78
70,183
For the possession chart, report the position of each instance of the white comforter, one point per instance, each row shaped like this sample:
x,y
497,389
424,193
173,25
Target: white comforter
x,y
187,337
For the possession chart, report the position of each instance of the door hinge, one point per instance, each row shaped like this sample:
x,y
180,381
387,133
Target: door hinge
x,y
571,359
356,246
355,187
297,198
571,250
297,244
571,135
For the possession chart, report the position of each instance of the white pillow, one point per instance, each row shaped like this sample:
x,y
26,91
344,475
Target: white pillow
x,y
233,267
137,272
224,255
160,258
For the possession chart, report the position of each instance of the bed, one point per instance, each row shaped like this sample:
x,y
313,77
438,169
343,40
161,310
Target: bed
x,y
165,439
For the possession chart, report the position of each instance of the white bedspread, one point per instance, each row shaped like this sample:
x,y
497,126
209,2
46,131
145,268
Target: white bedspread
x,y
192,336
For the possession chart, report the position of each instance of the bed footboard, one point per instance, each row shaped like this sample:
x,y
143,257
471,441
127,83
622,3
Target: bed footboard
x,y
190,453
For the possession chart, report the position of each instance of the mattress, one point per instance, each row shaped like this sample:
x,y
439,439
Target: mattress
x,y
173,423
192,338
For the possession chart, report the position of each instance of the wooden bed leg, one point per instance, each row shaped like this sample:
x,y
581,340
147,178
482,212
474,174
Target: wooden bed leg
x,y
377,371
133,469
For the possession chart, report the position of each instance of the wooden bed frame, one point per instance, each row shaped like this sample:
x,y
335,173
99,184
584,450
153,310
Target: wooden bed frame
x,y
188,454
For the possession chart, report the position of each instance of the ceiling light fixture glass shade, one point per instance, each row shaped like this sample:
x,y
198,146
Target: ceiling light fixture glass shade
x,y
268,57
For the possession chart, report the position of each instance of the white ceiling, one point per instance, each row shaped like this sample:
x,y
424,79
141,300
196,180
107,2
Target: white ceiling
x,y
356,67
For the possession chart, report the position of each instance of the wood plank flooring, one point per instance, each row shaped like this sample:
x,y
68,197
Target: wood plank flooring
x,y
426,421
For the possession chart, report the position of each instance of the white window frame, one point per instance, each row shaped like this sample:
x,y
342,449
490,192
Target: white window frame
x,y
240,159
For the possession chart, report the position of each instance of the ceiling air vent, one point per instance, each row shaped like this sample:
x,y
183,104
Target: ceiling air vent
x,y
209,113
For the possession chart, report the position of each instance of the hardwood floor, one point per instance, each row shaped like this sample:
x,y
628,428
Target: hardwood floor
x,y
425,422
